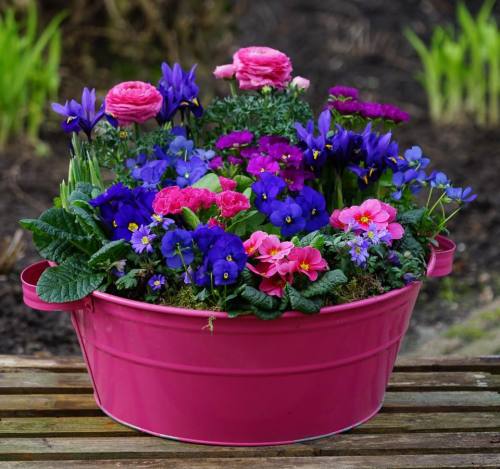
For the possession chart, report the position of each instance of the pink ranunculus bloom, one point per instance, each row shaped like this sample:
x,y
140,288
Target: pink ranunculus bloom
x,y
301,83
171,200
273,286
272,249
224,72
309,261
231,203
257,67
227,184
133,101
370,211
335,222
253,243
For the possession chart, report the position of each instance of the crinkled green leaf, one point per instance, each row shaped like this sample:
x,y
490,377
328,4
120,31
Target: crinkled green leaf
x,y
410,243
109,253
325,284
88,221
258,299
54,250
243,182
411,217
72,280
300,303
265,313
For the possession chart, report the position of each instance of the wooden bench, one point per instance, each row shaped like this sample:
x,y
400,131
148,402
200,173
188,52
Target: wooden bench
x,y
438,413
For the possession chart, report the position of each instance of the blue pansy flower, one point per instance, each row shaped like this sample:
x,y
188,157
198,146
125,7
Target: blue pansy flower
x,y
177,248
190,171
288,216
225,272
266,189
313,208
228,247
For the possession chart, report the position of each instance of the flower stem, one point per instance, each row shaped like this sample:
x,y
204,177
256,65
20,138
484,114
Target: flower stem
x,y
184,265
429,197
232,88
437,202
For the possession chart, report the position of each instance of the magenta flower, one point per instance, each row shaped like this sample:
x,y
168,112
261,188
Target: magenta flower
x,y
344,92
287,154
224,72
345,107
271,249
309,261
262,164
236,139
370,211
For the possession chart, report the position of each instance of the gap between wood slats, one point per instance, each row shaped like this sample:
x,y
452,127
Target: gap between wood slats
x,y
48,382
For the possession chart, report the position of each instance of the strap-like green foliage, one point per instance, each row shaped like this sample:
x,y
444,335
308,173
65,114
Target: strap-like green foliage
x,y
74,280
325,284
190,218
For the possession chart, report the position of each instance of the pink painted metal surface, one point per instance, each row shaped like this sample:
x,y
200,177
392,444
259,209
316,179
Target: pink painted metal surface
x,y
443,257
202,377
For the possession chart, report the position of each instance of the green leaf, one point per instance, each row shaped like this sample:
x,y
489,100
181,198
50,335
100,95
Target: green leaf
x,y
129,280
411,217
70,281
266,314
325,284
410,243
258,299
246,222
109,253
209,181
56,223
243,182
300,303
87,220
53,250
190,218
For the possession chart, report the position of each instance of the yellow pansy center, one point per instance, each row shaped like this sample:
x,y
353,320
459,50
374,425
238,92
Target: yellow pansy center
x,y
133,226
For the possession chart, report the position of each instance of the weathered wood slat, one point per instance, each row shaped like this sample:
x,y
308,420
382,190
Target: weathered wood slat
x,y
489,363
32,405
382,423
49,382
59,364
410,364
443,461
340,445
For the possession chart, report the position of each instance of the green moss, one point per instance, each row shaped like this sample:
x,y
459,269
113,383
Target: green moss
x,y
358,288
185,298
466,332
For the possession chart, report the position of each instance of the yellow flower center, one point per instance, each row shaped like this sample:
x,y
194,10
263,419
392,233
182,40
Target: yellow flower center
x,y
229,258
226,275
264,196
133,226
314,211
157,217
273,252
145,240
304,266
364,219
156,283
315,154
288,219
115,224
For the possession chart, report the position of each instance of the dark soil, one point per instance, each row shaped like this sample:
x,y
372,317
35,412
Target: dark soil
x,y
358,43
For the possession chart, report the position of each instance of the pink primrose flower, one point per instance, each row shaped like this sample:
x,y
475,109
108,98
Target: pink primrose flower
x,y
308,261
253,243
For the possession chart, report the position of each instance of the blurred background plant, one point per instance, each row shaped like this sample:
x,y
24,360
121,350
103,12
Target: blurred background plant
x,y
461,68
29,72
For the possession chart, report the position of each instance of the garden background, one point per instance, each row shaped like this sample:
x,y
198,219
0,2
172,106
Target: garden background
x,y
359,43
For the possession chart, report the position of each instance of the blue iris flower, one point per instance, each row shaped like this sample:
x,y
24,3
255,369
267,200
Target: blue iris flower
x,y
346,145
80,117
315,147
313,208
288,215
177,248
179,91
266,189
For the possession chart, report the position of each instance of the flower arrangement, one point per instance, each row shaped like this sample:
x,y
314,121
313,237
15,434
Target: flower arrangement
x,y
247,206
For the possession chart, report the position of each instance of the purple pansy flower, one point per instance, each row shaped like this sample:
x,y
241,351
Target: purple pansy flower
x,y
156,282
141,240
344,91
